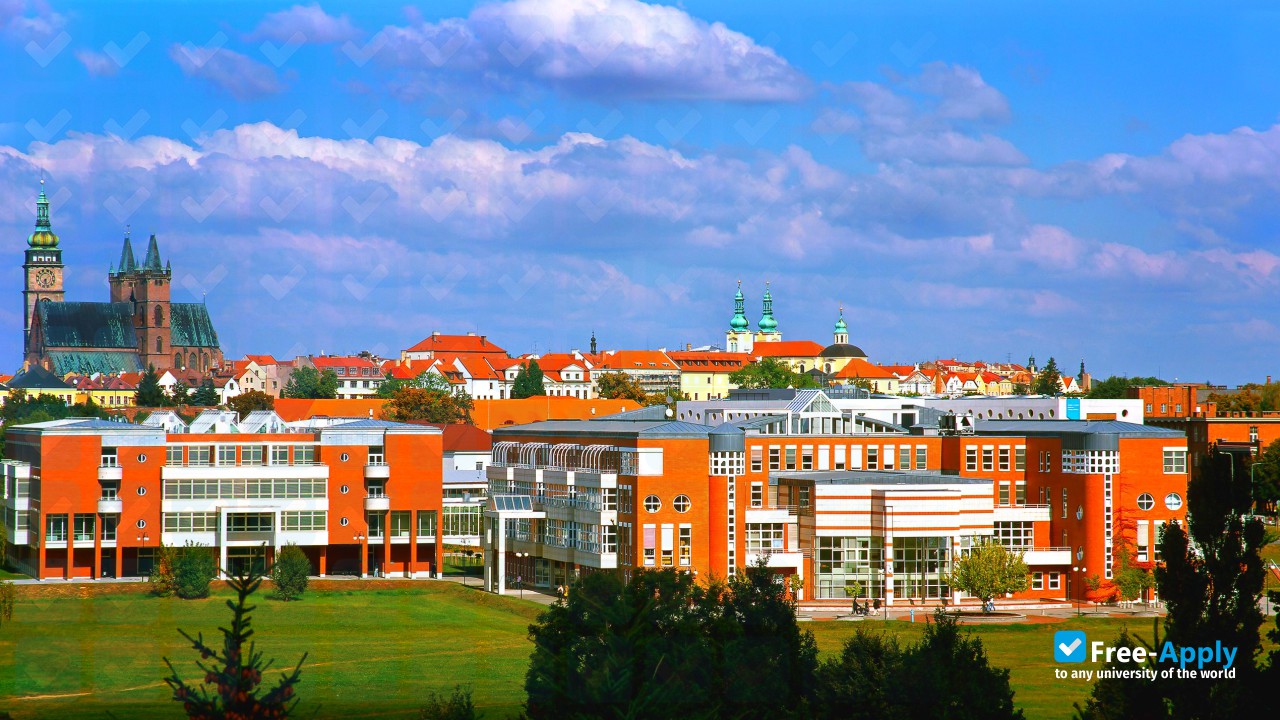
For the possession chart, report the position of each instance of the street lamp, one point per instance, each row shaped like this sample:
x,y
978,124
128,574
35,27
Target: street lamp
x,y
520,578
1074,570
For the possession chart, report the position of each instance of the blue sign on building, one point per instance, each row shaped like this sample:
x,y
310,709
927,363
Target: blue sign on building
x,y
1073,408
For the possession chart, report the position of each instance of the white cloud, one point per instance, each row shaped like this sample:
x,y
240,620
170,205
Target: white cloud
x,y
311,22
241,77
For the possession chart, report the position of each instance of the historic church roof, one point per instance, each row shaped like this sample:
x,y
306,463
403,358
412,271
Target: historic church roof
x,y
90,325
152,261
191,326
44,236
89,362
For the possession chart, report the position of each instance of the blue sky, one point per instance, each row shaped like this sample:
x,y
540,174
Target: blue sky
x,y
979,180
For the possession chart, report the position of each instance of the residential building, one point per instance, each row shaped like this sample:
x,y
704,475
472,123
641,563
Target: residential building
x,y
652,369
439,345
35,381
358,377
563,374
85,498
705,375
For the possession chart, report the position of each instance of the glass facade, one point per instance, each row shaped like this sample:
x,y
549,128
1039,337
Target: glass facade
x,y
920,567
845,560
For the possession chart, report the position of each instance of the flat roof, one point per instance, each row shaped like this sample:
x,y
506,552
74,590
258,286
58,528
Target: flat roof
x,y
882,477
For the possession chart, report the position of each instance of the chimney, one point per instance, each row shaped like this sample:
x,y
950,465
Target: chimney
x,y
471,334
435,333
688,346
1268,379
482,339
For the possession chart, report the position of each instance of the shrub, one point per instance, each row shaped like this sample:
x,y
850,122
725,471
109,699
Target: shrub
x,y
162,572
289,574
193,569
457,706
8,597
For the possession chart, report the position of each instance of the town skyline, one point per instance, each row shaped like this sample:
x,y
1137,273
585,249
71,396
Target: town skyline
x,y
335,178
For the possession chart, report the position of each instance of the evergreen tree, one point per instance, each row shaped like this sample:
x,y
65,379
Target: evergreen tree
x,y
206,395
290,573
194,567
858,685
180,394
230,687
528,382
947,675
1049,380
149,393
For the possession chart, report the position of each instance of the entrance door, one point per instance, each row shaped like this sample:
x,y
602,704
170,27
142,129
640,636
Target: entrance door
x,y
240,559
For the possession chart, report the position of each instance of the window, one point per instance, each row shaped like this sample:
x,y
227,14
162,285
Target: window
x,y
190,522
1003,493
1055,581
173,455
806,457
377,456
791,458
303,520
1146,502
922,457
1148,407
650,540
904,457
804,497
226,455
1173,501
344,522
84,528
873,458
1143,542
757,494
1177,409
971,459
109,524
988,459
686,545
142,490
401,523
668,545
141,524
1004,459
427,523
1164,408
374,521
775,458
250,522
1037,581
765,537
1015,534
1020,459
110,458
652,503
839,461
1175,461
1020,493
199,455
304,454
757,459
251,455
1064,503
279,454
1253,433
681,503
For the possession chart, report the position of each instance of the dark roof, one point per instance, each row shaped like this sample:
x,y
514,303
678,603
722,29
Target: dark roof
x,y
644,414
36,377
190,326
152,261
88,362
127,263
606,427
87,325
1064,427
842,350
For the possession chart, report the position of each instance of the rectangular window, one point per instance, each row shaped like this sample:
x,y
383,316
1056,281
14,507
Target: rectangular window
x,y
1020,458
765,537
226,455
1164,408
1253,433
1015,535
686,545
1148,407
303,520
173,456
251,455
1004,459
279,454
855,457
839,456
462,520
775,458
110,458
199,455
1143,545
804,496
1177,408
376,523
791,458
1037,581
84,528
109,523
757,459
757,494
191,522
1020,492
904,457
1175,461
650,543
873,458
988,459
668,545
55,528
426,523
376,455
1004,493
922,457
1064,503
806,457
401,523
1055,581
971,459
250,522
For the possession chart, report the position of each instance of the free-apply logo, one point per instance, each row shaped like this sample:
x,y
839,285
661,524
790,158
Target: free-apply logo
x,y
1069,646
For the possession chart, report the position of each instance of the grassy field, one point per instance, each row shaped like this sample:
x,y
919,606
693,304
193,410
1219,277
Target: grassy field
x,y
372,652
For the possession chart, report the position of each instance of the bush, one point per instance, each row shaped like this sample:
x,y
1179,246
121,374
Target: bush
x,y
162,572
289,574
457,706
8,597
193,569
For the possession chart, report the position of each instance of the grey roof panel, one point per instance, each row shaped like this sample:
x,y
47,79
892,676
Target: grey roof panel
x,y
191,326
87,325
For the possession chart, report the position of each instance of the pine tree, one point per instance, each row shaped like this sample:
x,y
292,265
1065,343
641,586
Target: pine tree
x,y
528,382
1049,380
206,395
290,573
230,686
149,392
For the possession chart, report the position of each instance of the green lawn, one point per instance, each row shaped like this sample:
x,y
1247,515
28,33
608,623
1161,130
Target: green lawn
x,y
9,575
374,653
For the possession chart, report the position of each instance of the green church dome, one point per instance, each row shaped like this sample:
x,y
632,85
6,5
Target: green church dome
x,y
739,323
43,237
767,322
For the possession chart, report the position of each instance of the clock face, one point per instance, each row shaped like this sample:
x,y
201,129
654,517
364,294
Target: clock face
x,y
45,278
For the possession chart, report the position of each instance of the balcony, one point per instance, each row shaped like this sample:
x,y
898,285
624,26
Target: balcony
x,y
377,470
110,472
110,506
377,502
1047,556
1021,513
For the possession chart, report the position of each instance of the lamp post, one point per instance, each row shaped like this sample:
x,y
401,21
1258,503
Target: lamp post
x,y
1074,570
520,578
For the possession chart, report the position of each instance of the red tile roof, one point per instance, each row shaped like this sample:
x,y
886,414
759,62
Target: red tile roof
x,y
709,362
291,409
636,360
859,368
334,362
490,414
787,348
457,345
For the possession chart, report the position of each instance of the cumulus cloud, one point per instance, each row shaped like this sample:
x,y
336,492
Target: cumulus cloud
x,y
310,22
238,75
613,48
98,64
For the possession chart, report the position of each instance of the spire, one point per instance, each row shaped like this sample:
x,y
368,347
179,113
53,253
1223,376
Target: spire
x,y
127,263
739,322
43,236
152,262
841,330
593,342
767,322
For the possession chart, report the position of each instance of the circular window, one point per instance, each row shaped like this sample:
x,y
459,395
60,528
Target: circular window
x,y
344,489
1173,501
1146,502
652,503
681,503
141,524
142,458
142,490
1124,413
345,457
343,522
1079,512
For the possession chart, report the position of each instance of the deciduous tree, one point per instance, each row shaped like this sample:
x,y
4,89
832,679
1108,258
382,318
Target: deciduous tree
x,y
309,383
247,402
436,406
620,386
770,373
1116,387
990,570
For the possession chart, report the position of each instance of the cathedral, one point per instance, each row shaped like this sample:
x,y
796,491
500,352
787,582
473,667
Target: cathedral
x,y
138,327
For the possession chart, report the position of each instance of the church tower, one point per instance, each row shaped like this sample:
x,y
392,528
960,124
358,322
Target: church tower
x,y
42,268
768,324
147,287
841,331
738,338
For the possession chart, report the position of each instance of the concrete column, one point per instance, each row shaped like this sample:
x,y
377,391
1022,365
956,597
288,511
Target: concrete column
x,y
71,542
119,554
438,561
324,559
500,557
413,544
955,555
386,542
888,556
222,543
97,546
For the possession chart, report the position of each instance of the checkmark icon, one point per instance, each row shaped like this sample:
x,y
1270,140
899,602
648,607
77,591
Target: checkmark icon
x,y
1068,646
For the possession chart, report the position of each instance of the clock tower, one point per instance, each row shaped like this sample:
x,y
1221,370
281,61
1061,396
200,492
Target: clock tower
x,y
42,269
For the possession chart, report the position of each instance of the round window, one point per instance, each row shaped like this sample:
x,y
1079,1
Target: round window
x,y
142,458
344,489
1079,512
141,524
142,490
343,522
652,503
1173,501
682,503
345,457
1146,502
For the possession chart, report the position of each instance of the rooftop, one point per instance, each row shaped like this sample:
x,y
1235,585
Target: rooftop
x,y
882,477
